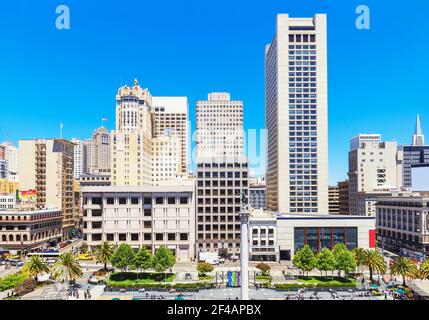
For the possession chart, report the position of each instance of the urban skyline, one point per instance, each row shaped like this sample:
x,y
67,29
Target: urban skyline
x,y
372,112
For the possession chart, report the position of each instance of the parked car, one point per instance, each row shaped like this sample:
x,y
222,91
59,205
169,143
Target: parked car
x,y
15,262
85,256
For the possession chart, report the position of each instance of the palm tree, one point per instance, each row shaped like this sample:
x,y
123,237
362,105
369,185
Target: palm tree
x,y
35,266
374,261
404,267
359,254
104,253
67,268
424,270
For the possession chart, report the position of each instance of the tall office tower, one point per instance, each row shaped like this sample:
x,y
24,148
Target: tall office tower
x,y
418,137
357,141
220,129
374,165
222,174
2,152
11,156
98,151
296,93
334,200
343,189
132,152
47,167
414,155
171,117
79,158
167,158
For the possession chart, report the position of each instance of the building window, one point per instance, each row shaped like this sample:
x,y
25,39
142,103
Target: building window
x,y
183,237
171,237
134,237
159,237
122,237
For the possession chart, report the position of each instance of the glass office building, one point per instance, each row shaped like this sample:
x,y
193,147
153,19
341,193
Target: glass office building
x,y
325,237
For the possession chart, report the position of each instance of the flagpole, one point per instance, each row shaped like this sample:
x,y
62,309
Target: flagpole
x,y
61,130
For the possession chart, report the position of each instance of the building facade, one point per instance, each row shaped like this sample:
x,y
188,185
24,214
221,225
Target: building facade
x,y
343,193
25,229
403,223
11,154
80,159
373,165
334,200
294,231
222,174
263,237
171,118
296,111
148,216
257,197
132,150
47,165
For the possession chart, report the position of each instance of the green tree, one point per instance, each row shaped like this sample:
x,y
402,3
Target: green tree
x,y
104,253
163,259
404,267
203,268
424,270
143,259
304,259
35,266
265,268
325,261
123,257
374,261
359,254
67,268
343,259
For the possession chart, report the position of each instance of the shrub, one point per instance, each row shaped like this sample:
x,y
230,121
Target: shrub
x,y
265,268
203,268
12,281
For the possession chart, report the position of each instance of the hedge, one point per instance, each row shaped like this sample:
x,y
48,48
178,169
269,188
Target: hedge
x,y
12,281
127,284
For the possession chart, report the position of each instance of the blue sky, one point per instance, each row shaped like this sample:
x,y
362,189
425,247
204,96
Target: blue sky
x,y
377,78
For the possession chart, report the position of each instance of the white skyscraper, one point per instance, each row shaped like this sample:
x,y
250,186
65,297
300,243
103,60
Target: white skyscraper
x,y
11,154
171,118
79,158
219,128
418,137
296,90
373,166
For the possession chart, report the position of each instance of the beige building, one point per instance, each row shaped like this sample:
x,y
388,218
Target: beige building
x,y
167,158
46,165
150,144
171,118
98,150
373,165
29,229
296,111
220,129
334,200
7,186
148,216
132,147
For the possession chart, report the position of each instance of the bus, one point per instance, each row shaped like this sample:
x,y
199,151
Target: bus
x,y
50,257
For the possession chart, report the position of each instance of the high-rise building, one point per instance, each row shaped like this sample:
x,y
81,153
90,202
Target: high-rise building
x,y
167,158
222,174
360,139
46,165
418,137
11,156
296,93
171,118
220,129
343,192
373,166
334,200
79,155
414,155
132,149
99,152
